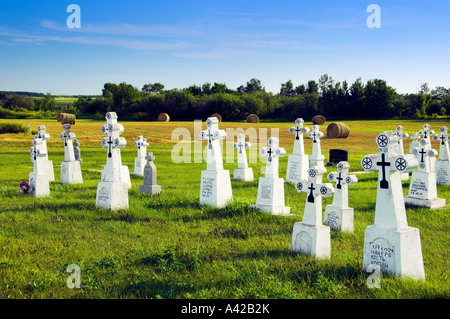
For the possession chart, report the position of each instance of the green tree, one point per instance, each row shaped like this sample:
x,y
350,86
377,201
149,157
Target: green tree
x,y
153,88
287,89
253,86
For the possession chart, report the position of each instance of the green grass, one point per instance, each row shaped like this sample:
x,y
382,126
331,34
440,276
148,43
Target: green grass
x,y
167,246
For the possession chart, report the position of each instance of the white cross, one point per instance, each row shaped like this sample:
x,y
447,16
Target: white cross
x,y
113,130
402,136
241,145
42,134
415,142
314,188
444,152
141,144
272,151
343,179
316,157
212,134
427,133
67,137
422,154
299,130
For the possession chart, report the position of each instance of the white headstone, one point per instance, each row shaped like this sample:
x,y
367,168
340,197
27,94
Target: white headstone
x,y
149,186
390,243
38,179
112,190
402,136
215,186
70,168
339,215
270,196
415,142
427,133
443,163
49,164
297,161
423,189
316,158
139,161
311,237
242,172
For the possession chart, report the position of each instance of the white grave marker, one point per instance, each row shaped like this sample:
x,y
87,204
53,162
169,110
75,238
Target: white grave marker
x,y
70,168
215,186
423,189
139,161
243,172
414,143
402,136
270,196
112,190
297,161
311,237
443,164
49,164
38,179
427,133
339,215
316,158
150,186
390,243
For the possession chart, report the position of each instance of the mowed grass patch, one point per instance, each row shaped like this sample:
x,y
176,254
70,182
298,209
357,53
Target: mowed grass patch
x,y
168,246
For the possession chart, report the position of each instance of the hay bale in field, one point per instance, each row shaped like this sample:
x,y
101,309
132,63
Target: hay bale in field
x,y
218,116
163,117
66,118
253,118
318,119
338,130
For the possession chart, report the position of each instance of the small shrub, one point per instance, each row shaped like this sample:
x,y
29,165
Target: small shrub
x,y
12,128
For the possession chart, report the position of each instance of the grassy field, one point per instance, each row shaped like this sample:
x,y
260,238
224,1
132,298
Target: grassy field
x,y
167,246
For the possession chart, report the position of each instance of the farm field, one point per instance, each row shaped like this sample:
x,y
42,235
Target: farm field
x,y
167,246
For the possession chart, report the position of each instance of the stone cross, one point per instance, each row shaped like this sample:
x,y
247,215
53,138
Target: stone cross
x,y
415,142
150,186
212,134
76,150
390,243
38,179
390,208
273,152
45,137
316,158
339,215
112,190
442,166
426,132
242,172
141,144
241,145
401,136
314,188
423,189
311,237
68,137
299,130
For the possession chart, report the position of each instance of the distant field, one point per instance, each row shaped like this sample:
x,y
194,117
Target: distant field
x,y
167,246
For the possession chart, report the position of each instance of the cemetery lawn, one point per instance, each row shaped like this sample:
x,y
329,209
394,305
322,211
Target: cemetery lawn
x,y
167,246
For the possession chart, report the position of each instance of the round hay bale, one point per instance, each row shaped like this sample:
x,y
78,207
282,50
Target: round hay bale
x,y
163,117
253,118
66,118
318,119
338,130
217,115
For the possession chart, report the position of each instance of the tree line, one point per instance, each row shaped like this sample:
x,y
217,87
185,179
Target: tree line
x,y
330,98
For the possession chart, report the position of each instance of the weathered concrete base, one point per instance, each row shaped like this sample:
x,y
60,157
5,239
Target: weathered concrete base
x,y
395,251
125,176
429,203
215,188
243,174
270,196
39,185
112,195
50,171
150,189
339,218
311,240
71,173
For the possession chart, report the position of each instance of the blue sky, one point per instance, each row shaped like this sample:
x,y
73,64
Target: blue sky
x,y
180,43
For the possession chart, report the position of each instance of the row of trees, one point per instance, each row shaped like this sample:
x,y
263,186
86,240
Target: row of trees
x,y
373,99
